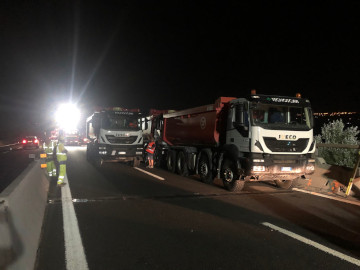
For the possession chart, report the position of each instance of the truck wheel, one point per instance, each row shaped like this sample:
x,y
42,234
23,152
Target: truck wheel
x,y
230,177
99,162
204,169
136,162
157,158
286,184
88,153
181,166
171,160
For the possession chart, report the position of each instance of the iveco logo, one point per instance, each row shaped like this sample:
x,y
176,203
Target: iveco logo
x,y
287,137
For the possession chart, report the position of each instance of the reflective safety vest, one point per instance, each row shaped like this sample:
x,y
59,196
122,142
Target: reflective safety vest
x,y
60,152
49,149
150,148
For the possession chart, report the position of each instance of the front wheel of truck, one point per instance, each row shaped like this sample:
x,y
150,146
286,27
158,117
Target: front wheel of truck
x,y
230,177
136,162
99,162
286,184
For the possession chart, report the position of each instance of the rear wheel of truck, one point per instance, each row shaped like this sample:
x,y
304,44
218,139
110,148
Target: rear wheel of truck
x,y
181,166
171,160
230,176
286,184
204,169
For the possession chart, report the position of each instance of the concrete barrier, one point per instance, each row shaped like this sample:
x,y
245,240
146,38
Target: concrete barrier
x,y
22,208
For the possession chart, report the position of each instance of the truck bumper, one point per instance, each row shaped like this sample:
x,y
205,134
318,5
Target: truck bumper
x,y
283,167
120,153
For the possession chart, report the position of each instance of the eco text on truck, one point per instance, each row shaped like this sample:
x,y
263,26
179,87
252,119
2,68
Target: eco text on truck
x,y
114,135
259,138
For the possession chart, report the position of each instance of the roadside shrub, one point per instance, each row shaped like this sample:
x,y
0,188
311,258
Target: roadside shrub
x,y
335,133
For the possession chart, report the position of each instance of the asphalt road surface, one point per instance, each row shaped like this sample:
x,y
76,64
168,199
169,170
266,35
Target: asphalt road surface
x,y
124,218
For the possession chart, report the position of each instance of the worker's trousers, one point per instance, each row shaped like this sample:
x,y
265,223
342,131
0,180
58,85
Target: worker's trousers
x,y
62,172
50,167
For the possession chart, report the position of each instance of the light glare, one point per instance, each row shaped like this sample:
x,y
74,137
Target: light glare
x,y
67,116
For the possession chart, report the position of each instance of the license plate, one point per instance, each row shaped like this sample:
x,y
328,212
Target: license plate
x,y
286,169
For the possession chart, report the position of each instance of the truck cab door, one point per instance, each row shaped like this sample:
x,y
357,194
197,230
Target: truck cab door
x,y
237,132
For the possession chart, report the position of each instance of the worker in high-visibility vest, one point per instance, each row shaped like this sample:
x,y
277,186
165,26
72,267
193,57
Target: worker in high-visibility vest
x,y
61,156
48,147
150,149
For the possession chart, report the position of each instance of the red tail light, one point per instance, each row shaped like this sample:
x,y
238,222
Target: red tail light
x,y
24,141
36,141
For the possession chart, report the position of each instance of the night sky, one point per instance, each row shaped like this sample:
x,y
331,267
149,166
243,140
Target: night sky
x,y
173,54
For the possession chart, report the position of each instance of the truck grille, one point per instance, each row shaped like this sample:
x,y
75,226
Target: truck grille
x,y
121,140
285,146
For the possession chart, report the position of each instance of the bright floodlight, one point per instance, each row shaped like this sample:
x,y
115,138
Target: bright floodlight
x,y
67,116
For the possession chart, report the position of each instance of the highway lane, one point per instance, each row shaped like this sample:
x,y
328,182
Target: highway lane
x,y
130,220
13,163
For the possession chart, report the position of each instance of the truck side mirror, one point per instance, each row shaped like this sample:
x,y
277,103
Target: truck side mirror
x,y
146,124
239,115
240,123
96,123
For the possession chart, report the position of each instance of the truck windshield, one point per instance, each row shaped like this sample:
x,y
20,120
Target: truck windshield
x,y
120,122
281,117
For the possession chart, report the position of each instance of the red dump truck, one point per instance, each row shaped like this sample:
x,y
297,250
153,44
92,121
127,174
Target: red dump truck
x,y
258,138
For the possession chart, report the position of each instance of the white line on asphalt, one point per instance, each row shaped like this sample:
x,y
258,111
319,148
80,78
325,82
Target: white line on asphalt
x,y
326,196
149,173
74,250
313,244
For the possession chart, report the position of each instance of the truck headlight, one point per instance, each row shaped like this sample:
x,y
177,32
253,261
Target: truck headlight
x,y
258,160
102,152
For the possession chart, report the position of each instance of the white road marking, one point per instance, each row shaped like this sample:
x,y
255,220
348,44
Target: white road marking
x,y
149,173
326,196
313,244
74,250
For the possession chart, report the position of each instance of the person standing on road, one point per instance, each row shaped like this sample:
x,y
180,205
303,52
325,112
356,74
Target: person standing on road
x,y
150,149
61,155
49,147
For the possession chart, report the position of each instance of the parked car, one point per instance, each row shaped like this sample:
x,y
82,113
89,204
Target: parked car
x,y
30,142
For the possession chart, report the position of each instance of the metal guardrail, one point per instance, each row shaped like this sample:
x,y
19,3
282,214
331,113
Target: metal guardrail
x,y
333,145
8,147
357,163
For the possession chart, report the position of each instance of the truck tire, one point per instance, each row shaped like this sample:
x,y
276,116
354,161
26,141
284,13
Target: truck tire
x,y
158,158
181,166
286,184
88,157
99,162
230,176
204,169
136,162
88,154
171,160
